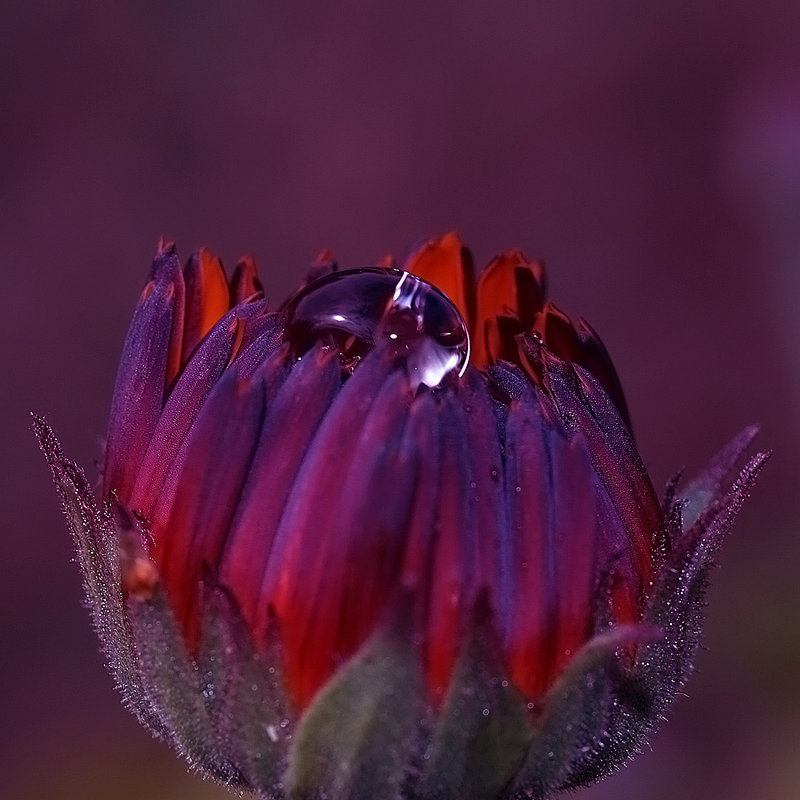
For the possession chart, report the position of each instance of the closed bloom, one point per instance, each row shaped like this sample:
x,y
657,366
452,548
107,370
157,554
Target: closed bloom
x,y
390,540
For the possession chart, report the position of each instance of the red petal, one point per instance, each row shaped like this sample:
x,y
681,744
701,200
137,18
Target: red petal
x,y
576,497
585,404
164,498
181,409
208,490
594,357
263,336
244,282
447,264
322,265
532,552
293,416
463,551
207,298
558,333
511,287
318,575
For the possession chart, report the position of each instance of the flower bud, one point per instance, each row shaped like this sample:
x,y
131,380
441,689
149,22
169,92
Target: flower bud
x,y
391,540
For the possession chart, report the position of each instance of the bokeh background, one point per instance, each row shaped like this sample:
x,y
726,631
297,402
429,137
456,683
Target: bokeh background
x,y
649,151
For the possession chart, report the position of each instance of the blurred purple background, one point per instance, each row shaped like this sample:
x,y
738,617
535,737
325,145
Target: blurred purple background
x,y
650,152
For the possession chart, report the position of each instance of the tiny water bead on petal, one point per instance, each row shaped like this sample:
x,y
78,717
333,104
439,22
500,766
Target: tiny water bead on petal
x,y
355,310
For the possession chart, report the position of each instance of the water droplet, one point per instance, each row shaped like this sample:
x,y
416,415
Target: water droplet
x,y
354,310
517,489
472,484
485,712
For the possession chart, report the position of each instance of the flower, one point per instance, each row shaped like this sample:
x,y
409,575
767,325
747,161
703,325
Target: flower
x,y
393,539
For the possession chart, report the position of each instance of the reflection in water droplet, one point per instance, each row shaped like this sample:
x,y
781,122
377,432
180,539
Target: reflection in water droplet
x,y
355,310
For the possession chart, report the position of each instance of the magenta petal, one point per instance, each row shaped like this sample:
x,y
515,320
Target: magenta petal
x,y
142,376
315,555
486,503
190,392
585,404
275,366
456,568
292,417
422,455
594,358
554,500
211,479
263,336
531,556
575,497
466,548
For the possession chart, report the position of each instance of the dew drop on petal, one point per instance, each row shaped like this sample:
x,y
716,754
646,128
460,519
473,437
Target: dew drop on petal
x,y
355,310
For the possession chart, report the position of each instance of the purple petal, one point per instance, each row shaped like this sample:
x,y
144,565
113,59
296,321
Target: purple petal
x,y
209,485
292,418
322,562
585,404
190,392
142,376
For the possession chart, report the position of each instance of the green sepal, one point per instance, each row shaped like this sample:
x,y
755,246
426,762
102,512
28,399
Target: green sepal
x,y
172,684
357,737
96,536
484,728
245,695
575,732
